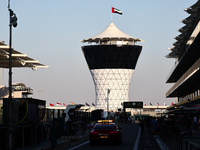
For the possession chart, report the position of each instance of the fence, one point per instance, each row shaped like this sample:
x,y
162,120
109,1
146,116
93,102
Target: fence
x,y
174,141
171,140
29,136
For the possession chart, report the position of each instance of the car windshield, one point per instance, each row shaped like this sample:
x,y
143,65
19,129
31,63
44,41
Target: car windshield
x,y
104,127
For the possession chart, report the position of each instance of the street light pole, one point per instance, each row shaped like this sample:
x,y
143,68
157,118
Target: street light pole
x,y
107,101
13,22
10,125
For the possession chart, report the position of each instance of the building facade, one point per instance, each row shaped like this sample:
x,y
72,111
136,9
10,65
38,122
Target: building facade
x,y
185,73
111,57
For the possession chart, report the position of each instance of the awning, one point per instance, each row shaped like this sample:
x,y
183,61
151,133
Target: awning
x,y
18,59
188,106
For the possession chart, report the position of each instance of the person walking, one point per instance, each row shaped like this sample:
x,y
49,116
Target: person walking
x,y
53,133
61,125
158,125
195,119
188,125
142,124
154,125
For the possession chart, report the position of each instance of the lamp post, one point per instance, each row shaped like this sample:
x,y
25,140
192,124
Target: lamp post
x,y
13,22
39,93
107,100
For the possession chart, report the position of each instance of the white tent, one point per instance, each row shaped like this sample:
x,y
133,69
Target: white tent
x,y
111,33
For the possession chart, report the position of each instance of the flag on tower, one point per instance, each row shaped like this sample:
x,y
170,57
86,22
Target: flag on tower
x,y
87,104
115,10
158,104
58,104
50,104
93,104
151,104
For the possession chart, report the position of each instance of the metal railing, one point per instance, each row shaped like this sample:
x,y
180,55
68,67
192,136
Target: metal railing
x,y
35,136
172,141
32,136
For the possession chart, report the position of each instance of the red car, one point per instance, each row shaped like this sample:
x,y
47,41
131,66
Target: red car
x,y
105,130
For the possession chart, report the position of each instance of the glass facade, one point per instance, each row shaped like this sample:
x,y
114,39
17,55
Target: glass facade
x,y
111,56
111,67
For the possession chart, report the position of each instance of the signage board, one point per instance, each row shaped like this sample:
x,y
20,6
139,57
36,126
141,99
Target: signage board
x,y
133,104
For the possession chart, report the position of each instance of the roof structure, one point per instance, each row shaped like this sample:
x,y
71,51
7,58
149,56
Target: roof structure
x,y
111,33
191,22
186,71
189,106
18,59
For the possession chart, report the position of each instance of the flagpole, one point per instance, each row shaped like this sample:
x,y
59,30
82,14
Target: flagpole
x,y
111,14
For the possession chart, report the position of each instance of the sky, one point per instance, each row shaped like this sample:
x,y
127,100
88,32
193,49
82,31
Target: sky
x,y
50,32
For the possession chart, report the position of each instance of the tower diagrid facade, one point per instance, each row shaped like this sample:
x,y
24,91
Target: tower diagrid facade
x,y
111,57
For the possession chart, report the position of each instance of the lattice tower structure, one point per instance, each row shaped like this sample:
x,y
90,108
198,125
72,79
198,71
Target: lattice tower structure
x,y
111,62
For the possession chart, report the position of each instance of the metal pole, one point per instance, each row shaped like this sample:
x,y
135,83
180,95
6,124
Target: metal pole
x,y
3,76
10,124
107,101
23,137
13,22
107,105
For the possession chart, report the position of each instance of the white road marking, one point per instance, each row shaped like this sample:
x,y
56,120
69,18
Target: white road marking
x,y
160,144
137,140
79,145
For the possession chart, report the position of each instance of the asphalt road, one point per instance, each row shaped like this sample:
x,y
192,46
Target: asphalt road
x,y
129,135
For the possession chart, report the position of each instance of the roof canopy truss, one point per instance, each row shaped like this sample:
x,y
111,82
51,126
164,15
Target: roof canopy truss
x,y
18,59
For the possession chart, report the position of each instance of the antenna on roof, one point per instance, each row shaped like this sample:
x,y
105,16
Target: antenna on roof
x,y
8,4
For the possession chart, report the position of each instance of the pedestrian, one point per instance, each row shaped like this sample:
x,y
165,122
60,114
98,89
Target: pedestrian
x,y
61,125
142,124
53,133
158,125
195,119
188,125
154,125
83,124
198,125
148,123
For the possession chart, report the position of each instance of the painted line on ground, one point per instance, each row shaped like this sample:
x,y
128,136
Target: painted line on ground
x,y
137,140
79,145
161,144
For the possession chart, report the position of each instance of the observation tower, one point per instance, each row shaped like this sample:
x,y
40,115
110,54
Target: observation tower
x,y
111,57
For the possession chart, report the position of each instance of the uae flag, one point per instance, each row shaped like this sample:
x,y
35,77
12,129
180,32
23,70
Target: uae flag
x,y
151,104
87,104
64,104
145,104
50,104
58,104
114,10
158,104
93,104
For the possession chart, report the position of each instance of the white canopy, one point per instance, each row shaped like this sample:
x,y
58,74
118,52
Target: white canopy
x,y
111,33
18,59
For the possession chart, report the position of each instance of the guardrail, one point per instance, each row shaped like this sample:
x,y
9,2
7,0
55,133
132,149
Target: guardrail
x,y
32,136
171,140
177,142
